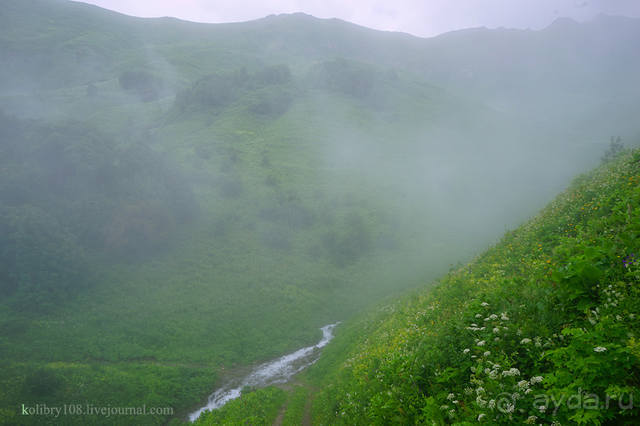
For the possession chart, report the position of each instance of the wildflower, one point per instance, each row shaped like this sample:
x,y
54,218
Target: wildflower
x,y
479,390
509,408
487,353
542,408
468,391
481,402
525,341
496,330
511,372
481,343
444,407
523,384
485,304
478,316
599,349
491,404
481,416
504,317
629,260
536,379
450,396
466,351
531,420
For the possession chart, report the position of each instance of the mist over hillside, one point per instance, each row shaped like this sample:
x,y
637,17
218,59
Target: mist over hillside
x,y
179,197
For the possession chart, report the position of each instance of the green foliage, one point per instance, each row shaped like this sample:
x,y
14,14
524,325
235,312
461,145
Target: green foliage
x,y
267,92
165,244
214,91
541,328
41,262
276,74
270,101
348,244
43,383
296,406
615,148
256,408
345,76
121,199
141,83
100,384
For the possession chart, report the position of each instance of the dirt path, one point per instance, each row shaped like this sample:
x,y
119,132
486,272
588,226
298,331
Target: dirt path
x,y
306,417
280,418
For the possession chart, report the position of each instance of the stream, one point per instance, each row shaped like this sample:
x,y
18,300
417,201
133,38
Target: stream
x,y
273,372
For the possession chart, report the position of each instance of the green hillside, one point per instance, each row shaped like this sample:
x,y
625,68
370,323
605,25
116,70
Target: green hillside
x,y
541,328
181,201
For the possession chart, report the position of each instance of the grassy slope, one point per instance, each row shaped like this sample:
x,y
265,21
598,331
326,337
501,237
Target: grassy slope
x,y
541,303
541,328
157,331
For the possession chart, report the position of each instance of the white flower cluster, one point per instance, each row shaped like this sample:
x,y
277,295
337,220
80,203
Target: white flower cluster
x,y
613,296
474,327
536,379
490,375
511,372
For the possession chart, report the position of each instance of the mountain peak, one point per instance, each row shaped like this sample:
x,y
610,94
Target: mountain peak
x,y
563,22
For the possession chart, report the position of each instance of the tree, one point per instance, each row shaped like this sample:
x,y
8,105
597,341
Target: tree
x,y
615,147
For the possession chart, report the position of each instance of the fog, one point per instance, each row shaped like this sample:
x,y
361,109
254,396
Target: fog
x,y
333,153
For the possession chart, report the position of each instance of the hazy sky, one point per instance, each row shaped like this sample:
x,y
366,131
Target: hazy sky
x,y
418,17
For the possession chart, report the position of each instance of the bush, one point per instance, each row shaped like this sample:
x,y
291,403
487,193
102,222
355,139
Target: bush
x,y
40,261
141,83
42,383
348,244
346,77
615,148
270,101
276,74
